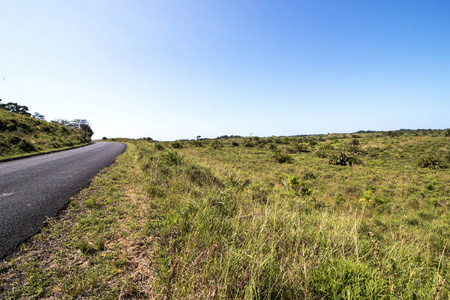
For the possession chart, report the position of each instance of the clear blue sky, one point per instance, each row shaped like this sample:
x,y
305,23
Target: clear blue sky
x,y
178,69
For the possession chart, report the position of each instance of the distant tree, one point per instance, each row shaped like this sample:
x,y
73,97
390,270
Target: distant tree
x,y
15,108
38,116
61,122
81,124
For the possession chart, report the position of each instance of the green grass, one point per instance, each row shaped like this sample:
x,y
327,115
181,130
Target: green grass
x,y
232,222
375,230
21,135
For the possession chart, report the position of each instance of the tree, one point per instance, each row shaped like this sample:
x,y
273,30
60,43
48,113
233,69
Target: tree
x,y
38,116
61,122
15,108
83,125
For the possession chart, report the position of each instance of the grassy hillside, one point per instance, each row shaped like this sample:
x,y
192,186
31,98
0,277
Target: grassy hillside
x,y
359,216
21,134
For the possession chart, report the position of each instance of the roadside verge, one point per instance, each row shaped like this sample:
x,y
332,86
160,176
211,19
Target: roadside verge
x,y
94,249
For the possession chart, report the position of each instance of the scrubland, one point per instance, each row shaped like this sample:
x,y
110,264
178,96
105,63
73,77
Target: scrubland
x,y
338,216
21,135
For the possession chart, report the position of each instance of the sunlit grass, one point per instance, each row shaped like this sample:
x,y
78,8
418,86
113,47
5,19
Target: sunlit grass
x,y
231,222
371,230
22,135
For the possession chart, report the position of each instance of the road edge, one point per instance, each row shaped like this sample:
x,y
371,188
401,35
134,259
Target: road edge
x,y
43,153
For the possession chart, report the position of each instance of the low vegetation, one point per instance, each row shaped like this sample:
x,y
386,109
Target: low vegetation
x,y
182,221
22,134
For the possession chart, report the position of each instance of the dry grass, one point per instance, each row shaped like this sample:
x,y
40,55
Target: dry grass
x,y
224,223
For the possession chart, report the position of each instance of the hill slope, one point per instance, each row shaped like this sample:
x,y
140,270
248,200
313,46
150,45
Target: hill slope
x,y
21,134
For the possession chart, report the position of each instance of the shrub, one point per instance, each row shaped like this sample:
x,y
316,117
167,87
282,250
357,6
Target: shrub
x,y
321,153
294,181
26,146
234,144
290,150
355,142
281,157
305,191
272,146
216,145
447,132
196,143
176,144
354,149
343,159
159,147
10,125
173,158
277,140
431,162
300,147
4,145
326,147
14,140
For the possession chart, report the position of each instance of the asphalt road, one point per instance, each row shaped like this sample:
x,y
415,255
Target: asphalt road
x,y
36,188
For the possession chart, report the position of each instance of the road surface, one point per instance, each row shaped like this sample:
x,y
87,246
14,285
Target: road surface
x,y
36,188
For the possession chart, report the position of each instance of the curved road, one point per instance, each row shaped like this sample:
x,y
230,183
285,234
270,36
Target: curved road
x,y
36,188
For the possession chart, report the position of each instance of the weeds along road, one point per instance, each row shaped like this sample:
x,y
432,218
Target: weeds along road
x,y
36,188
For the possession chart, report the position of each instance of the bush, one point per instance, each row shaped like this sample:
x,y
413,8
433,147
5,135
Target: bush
x,y
294,181
234,144
159,147
354,149
26,146
281,157
430,162
216,145
14,140
173,158
272,146
4,145
300,147
196,143
343,159
176,144
326,147
447,132
321,153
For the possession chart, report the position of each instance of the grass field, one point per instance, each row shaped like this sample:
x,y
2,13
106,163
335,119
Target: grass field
x,y
339,216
